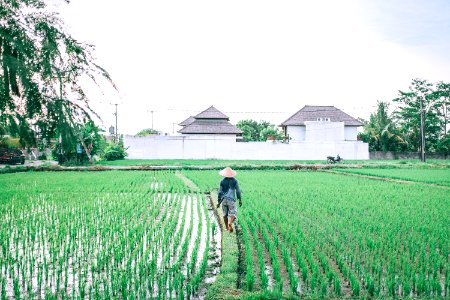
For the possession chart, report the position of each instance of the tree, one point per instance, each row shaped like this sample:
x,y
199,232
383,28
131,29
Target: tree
x,y
381,132
270,132
147,132
254,131
115,151
92,139
419,111
41,69
249,128
443,93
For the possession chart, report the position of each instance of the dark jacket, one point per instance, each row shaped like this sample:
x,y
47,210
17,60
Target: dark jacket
x,y
229,189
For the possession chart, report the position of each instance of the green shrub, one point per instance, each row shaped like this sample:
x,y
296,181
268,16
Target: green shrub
x,y
9,142
114,151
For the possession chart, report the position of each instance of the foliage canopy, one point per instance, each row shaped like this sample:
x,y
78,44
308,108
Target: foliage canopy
x,y
115,151
381,131
253,131
41,70
400,130
148,131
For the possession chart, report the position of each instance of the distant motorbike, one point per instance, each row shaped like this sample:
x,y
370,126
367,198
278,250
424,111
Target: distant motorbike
x,y
333,160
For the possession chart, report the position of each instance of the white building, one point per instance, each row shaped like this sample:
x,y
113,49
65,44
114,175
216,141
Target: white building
x,y
320,124
315,132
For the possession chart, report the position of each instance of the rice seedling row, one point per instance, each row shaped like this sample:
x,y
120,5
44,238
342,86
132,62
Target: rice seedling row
x,y
431,176
341,236
102,235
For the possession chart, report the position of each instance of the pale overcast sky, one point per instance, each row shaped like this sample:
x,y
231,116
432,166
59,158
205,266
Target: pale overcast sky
x,y
177,58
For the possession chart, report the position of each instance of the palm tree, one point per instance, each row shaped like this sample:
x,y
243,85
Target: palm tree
x,y
381,132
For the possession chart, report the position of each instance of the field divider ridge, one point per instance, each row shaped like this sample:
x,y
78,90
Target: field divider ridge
x,y
387,179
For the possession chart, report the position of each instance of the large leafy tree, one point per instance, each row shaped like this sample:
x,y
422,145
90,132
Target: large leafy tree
x,y
90,136
250,130
258,131
381,131
443,93
426,98
41,70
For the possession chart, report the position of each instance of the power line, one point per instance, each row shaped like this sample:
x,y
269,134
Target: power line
x,y
256,112
174,109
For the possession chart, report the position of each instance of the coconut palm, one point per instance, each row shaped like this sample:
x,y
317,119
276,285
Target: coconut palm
x,y
381,131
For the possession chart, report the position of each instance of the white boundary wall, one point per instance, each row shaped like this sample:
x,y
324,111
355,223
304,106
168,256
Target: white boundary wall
x,y
226,147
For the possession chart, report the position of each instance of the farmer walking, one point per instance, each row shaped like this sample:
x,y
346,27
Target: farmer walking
x,y
228,192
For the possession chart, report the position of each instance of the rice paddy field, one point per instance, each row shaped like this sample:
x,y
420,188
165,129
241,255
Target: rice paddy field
x,y
102,236
155,234
321,234
431,176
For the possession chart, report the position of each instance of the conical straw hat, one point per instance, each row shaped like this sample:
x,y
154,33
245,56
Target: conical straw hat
x,y
228,172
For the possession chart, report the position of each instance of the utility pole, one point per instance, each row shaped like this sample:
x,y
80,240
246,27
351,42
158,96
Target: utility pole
x,y
422,131
444,109
61,149
116,136
152,111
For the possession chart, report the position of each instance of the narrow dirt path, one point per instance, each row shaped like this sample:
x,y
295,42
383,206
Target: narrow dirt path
x,y
189,183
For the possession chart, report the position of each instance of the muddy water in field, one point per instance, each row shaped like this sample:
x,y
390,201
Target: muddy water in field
x,y
169,216
182,221
215,252
215,255
194,215
189,212
269,272
45,273
300,285
79,267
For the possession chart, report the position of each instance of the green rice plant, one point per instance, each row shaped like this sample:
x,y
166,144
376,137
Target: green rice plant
x,y
259,249
302,264
368,229
249,274
87,230
195,282
439,176
288,262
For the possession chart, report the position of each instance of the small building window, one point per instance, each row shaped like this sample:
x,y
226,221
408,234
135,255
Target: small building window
x,y
323,119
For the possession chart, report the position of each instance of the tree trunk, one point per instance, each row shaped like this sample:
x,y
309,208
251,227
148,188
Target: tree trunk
x,y
88,152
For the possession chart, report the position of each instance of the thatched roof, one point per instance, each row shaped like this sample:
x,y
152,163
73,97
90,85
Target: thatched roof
x,y
211,113
204,126
209,121
312,113
187,121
